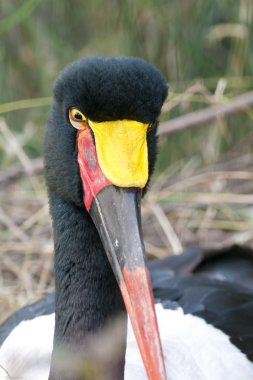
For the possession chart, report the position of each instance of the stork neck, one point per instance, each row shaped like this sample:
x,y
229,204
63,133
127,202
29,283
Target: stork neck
x,y
87,295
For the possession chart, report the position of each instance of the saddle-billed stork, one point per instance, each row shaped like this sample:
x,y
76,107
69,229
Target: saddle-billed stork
x,y
100,150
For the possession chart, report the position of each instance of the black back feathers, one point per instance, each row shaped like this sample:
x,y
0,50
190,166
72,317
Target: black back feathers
x,y
210,284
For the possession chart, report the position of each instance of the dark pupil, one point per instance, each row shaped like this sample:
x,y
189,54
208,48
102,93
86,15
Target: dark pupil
x,y
78,116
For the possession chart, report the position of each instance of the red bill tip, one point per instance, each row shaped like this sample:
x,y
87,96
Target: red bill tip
x,y
138,297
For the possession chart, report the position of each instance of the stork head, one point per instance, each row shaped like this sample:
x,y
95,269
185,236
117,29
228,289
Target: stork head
x,y
100,151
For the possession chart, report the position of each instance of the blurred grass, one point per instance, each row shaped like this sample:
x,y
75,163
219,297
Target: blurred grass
x,y
17,17
193,43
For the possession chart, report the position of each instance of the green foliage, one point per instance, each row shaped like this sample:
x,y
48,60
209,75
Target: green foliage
x,y
20,15
187,40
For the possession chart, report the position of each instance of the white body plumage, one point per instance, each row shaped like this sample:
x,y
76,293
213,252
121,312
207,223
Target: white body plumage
x,y
193,350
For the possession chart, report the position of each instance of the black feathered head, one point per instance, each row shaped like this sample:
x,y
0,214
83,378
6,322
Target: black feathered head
x,y
102,89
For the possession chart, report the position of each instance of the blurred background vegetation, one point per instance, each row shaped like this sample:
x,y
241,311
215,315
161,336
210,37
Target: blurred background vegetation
x,y
203,48
194,43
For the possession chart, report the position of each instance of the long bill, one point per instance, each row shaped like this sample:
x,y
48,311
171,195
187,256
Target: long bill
x,y
116,213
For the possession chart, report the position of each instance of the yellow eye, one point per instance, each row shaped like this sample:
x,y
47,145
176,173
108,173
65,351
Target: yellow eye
x,y
76,118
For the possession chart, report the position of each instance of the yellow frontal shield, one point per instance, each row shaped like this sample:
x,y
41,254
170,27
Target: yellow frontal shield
x,y
121,147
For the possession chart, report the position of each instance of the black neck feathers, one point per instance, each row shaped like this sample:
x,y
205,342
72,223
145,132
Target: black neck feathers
x,y
87,295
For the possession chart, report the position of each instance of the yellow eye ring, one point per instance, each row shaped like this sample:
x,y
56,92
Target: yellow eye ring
x,y
76,115
76,118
